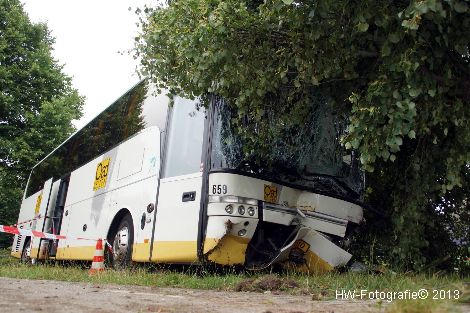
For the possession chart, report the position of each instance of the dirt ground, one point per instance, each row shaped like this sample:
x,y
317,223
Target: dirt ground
x,y
20,295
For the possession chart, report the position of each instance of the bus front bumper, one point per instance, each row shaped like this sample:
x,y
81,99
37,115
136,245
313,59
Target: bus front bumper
x,y
273,235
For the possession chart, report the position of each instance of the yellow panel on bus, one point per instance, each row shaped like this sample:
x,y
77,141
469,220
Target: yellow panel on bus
x,y
101,174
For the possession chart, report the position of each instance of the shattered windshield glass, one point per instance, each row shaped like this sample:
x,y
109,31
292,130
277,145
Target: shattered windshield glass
x,y
308,155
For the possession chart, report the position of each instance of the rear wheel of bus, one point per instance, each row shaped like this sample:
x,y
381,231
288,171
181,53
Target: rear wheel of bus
x,y
121,242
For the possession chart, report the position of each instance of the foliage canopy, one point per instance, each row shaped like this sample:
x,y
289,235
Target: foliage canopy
x,y
399,68
37,102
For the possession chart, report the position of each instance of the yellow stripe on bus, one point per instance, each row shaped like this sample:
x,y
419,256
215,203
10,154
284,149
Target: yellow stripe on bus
x,y
175,251
141,252
34,252
229,250
84,253
16,254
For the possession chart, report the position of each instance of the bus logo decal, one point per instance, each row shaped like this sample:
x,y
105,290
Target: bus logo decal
x,y
301,245
101,175
38,204
270,194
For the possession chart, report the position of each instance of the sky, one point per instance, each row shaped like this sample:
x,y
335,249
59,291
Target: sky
x,y
90,34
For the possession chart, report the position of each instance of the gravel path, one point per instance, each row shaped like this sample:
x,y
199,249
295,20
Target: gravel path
x,y
21,295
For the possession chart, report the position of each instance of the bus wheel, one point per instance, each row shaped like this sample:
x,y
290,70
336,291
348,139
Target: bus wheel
x,y
26,253
122,243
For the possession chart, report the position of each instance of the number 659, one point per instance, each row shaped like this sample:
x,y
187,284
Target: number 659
x,y
219,189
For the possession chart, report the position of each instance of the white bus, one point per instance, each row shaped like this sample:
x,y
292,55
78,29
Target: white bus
x,y
171,184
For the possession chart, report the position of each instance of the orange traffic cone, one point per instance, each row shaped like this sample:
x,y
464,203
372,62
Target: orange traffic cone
x,y
98,259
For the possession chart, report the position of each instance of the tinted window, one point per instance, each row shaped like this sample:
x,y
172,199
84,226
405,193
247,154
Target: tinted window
x,y
134,111
184,145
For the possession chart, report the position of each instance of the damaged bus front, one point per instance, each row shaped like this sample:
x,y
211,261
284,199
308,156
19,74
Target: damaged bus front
x,y
292,206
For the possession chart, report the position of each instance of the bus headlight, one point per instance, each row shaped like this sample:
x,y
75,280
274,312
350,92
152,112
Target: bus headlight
x,y
229,209
251,211
241,210
242,232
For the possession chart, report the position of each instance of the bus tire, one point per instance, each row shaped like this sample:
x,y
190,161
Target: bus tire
x,y
122,243
25,258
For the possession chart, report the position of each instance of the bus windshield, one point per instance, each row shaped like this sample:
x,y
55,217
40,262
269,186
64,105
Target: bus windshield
x,y
307,156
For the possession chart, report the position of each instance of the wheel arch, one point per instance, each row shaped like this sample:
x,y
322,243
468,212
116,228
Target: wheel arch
x,y
117,220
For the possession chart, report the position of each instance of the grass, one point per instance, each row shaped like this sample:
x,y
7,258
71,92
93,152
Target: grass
x,y
422,306
320,287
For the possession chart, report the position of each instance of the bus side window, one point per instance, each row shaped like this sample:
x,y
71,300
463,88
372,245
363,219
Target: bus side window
x,y
185,136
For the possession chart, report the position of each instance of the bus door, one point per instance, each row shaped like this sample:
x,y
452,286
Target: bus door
x,y
38,224
178,204
58,213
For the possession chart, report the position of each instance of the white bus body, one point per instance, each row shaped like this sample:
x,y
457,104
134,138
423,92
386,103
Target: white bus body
x,y
142,175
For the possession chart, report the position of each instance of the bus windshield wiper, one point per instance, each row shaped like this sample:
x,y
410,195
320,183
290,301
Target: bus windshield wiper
x,y
248,165
336,179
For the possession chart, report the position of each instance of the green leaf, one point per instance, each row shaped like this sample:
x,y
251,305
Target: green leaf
x,y
461,48
362,26
386,49
394,38
414,92
315,81
288,1
460,7
398,141
412,134
355,143
410,24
